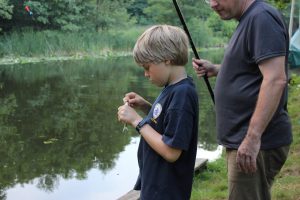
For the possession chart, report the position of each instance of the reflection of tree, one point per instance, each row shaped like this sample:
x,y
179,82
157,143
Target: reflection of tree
x,y
7,135
2,194
56,124
207,121
48,182
59,120
207,130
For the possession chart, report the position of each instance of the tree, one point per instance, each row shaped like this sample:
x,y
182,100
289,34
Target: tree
x,y
136,10
111,14
5,11
163,11
66,15
59,14
219,27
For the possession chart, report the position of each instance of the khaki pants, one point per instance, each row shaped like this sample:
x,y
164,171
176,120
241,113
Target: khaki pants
x,y
255,186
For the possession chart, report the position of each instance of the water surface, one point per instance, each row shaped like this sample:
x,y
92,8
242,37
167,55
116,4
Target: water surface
x,y
59,134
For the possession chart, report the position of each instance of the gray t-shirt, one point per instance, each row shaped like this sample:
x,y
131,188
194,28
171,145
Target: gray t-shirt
x,y
260,34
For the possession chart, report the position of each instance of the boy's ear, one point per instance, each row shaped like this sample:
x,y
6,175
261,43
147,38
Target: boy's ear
x,y
167,62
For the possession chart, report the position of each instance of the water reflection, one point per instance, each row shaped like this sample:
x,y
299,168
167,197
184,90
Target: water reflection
x,y
59,132
96,186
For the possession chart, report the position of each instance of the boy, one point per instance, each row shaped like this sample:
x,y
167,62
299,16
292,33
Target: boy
x,y
168,144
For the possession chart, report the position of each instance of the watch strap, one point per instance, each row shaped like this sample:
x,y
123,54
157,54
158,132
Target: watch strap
x,y
141,124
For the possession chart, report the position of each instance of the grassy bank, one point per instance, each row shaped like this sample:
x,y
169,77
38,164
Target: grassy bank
x,y
29,46
8,60
50,44
212,184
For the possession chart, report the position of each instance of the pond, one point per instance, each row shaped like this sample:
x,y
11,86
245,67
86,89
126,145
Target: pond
x,y
59,134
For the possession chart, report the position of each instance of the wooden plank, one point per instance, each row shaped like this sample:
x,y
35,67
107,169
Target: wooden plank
x,y
200,165
131,195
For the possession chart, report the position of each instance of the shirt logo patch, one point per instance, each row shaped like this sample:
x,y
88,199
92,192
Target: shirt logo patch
x,y
157,110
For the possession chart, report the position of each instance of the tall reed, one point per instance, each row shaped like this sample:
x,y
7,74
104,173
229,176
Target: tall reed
x,y
55,43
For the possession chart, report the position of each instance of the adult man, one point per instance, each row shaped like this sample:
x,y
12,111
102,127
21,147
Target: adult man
x,y
251,96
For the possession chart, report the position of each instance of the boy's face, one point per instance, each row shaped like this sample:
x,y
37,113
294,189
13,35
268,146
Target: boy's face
x,y
158,74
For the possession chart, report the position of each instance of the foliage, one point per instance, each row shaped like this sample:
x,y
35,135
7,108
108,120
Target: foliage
x,y
221,28
56,43
136,10
280,4
114,21
111,14
160,12
5,10
78,15
200,33
68,15
163,11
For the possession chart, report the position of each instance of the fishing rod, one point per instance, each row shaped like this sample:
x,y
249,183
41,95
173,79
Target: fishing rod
x,y
193,48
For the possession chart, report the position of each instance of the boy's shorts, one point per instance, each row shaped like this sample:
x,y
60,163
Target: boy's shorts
x,y
255,186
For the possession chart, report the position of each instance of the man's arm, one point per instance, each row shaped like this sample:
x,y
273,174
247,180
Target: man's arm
x,y
273,84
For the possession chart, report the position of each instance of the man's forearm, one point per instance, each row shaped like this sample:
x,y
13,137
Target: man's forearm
x,y
267,104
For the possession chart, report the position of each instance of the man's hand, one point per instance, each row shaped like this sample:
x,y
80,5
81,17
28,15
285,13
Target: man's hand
x,y
247,154
202,67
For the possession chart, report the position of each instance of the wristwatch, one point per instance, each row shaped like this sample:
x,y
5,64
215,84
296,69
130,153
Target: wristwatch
x,y
141,124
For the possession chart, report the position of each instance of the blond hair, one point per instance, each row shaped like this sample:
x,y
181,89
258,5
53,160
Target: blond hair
x,y
161,43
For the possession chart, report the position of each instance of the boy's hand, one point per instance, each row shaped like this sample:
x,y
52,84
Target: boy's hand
x,y
128,115
203,67
136,101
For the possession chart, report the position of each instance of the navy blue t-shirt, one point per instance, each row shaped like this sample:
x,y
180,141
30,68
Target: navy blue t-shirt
x,y
174,115
261,34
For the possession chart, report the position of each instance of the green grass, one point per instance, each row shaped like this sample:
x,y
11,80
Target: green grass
x,y
32,46
47,43
212,183
287,184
